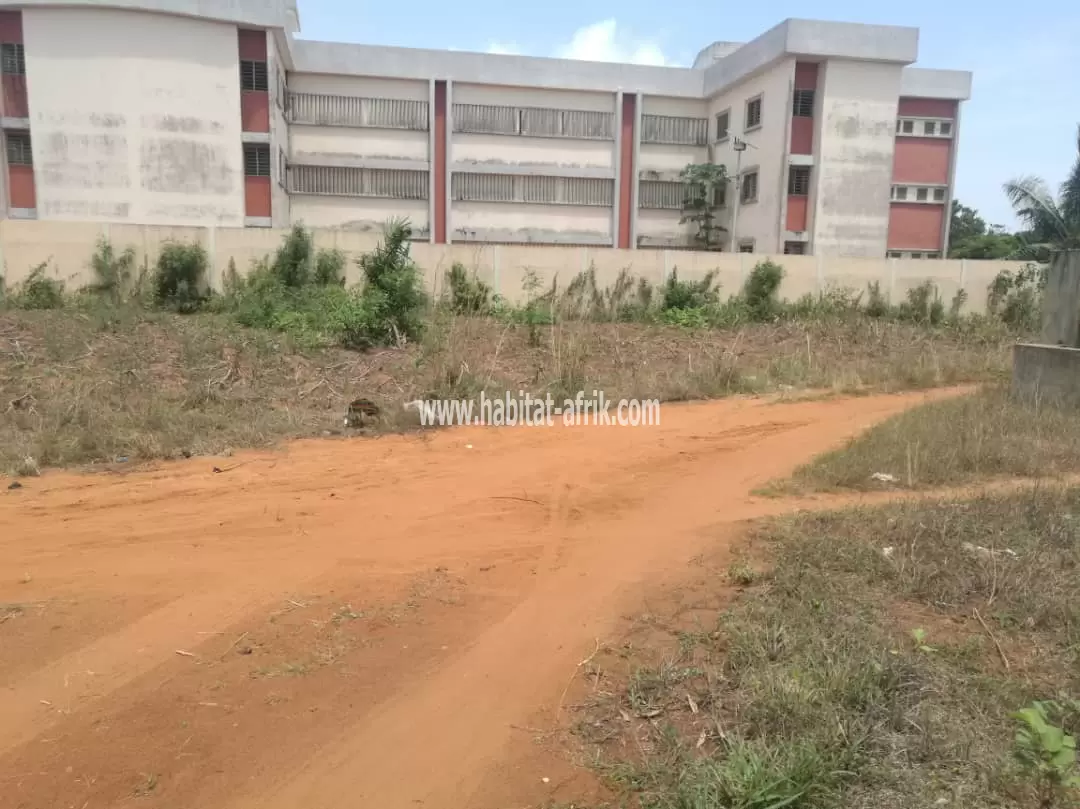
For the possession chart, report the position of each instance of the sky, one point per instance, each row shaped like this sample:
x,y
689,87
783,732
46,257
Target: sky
x,y
1021,120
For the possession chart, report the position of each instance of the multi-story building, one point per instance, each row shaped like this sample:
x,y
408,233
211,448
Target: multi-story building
x,y
188,112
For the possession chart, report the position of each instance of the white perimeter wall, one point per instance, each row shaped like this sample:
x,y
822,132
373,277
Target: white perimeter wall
x,y
854,161
759,220
135,117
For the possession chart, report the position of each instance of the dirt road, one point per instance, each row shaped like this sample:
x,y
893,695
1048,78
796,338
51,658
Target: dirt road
x,y
346,623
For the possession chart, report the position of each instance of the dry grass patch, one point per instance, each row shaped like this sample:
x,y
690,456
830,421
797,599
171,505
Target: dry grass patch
x,y
955,441
878,665
98,384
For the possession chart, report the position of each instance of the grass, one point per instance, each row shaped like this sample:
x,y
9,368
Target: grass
x,y
951,442
852,675
94,382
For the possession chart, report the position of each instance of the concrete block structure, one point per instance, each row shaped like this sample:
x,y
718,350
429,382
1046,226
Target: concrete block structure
x,y
199,113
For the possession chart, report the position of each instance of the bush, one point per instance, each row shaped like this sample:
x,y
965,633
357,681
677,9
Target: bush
x,y
923,305
330,268
877,305
1017,297
112,271
761,288
468,294
180,278
689,294
393,293
38,291
291,266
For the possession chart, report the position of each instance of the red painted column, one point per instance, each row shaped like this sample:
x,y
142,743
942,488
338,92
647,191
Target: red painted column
x,y
254,104
438,227
627,169
13,97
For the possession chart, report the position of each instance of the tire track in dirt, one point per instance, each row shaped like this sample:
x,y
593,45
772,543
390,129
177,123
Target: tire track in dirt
x,y
616,507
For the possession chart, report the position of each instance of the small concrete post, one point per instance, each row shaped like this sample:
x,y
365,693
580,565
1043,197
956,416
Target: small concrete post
x,y
1061,300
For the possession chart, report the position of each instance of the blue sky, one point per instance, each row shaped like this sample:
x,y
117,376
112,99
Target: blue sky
x,y
1022,118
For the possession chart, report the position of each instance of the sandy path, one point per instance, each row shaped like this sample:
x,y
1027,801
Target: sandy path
x,y
484,574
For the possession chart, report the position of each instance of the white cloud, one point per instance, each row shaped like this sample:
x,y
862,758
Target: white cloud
x,y
604,41
506,48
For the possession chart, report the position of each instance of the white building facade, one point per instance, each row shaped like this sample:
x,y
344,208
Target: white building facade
x,y
188,112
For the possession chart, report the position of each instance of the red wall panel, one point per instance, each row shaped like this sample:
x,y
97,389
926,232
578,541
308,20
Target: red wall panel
x,y
21,191
921,160
802,135
11,27
14,102
257,196
796,212
626,168
255,111
914,226
438,227
252,45
927,108
806,74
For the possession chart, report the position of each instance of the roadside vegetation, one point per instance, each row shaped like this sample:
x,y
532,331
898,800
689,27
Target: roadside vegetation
x,y
919,654
957,441
148,362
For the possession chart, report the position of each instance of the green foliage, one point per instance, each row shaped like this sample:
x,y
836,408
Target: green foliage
x,y
1045,752
468,294
761,288
923,305
703,185
112,271
329,268
689,294
180,277
38,291
877,305
393,290
316,309
1016,297
698,317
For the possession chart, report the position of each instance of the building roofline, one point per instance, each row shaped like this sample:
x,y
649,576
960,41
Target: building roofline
x,y
920,82
253,13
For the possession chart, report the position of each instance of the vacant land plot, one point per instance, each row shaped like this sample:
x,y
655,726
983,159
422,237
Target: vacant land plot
x,y
390,622
97,384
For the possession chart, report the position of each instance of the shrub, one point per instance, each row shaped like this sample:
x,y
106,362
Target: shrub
x,y
112,271
330,267
877,305
923,305
291,266
761,288
38,291
1017,297
180,279
468,294
393,291
690,294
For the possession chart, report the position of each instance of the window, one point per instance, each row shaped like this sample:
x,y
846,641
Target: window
x,y
921,194
900,193
929,127
933,255
939,195
282,90
753,113
748,188
907,127
256,160
746,246
794,248
12,59
723,121
798,182
283,167
254,76
719,196
803,104
894,254
19,152
945,128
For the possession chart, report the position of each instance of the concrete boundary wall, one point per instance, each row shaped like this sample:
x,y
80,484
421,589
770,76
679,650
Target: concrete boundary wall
x,y
68,246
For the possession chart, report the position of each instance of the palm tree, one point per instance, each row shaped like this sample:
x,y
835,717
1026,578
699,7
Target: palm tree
x,y
1050,224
